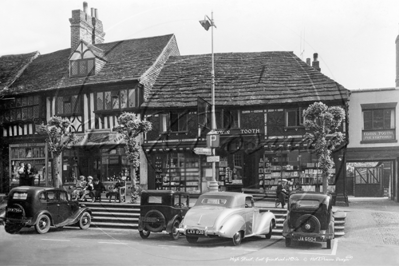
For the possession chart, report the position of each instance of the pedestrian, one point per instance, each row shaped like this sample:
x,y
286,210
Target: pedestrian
x,y
88,189
98,189
29,175
80,185
282,192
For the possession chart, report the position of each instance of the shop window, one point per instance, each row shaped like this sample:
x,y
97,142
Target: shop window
x,y
293,117
68,105
117,100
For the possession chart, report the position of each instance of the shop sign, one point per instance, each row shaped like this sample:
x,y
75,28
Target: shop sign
x,y
203,151
378,135
213,139
243,131
212,159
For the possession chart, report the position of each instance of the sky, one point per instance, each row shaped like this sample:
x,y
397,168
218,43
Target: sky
x,y
354,39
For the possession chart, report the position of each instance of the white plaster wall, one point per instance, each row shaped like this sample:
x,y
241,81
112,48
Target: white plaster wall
x,y
356,124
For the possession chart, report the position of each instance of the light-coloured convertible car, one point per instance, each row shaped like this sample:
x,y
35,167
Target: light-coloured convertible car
x,y
228,215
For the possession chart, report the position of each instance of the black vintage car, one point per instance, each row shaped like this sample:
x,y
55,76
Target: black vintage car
x,y
162,210
310,218
43,207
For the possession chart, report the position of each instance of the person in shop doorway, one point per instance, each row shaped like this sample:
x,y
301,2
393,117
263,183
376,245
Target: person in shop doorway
x,y
80,185
88,189
282,192
30,175
21,174
98,189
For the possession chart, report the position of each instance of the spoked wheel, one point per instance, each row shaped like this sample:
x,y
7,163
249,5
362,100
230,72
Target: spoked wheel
x,y
85,220
144,234
43,223
287,242
269,235
174,234
237,238
192,239
328,243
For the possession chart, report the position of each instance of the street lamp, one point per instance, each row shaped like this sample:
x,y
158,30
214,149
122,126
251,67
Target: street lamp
x,y
213,137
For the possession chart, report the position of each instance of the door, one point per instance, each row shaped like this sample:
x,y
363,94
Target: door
x,y
368,181
64,209
52,206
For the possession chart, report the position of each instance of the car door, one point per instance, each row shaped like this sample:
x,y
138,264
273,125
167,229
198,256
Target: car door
x,y
249,215
64,209
52,206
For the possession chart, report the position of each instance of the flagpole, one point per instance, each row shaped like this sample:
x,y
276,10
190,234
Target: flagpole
x,y
213,185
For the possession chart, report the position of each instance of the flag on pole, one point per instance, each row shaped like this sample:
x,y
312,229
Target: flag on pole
x,y
207,23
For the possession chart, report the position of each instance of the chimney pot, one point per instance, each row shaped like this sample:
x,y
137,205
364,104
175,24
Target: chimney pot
x,y
96,13
315,63
308,61
85,7
92,12
315,55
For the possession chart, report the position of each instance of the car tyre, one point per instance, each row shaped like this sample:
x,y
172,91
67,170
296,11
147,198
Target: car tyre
x,y
157,226
85,220
43,224
328,243
192,239
308,223
174,234
237,238
269,235
144,234
288,242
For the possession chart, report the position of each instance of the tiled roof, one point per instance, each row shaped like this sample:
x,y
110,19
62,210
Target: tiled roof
x,y
242,79
126,60
12,65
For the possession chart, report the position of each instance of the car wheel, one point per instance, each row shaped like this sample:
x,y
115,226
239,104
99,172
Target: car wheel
x,y
144,234
287,242
328,243
269,235
192,239
174,234
43,223
85,220
12,228
237,238
308,223
158,221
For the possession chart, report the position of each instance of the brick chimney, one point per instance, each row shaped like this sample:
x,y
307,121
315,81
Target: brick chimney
x,y
315,63
86,27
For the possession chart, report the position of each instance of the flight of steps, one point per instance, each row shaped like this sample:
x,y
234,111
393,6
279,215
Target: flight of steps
x,y
125,216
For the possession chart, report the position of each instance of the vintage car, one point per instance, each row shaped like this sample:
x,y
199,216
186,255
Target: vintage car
x,y
162,210
228,215
310,218
43,207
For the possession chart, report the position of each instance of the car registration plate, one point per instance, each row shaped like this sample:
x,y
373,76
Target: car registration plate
x,y
195,232
307,238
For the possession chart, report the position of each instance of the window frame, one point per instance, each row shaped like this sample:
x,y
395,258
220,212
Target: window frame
x,y
76,109
26,108
297,115
125,97
80,63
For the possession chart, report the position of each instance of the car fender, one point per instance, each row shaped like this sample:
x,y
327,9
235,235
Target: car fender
x,y
78,214
232,225
286,228
170,223
262,226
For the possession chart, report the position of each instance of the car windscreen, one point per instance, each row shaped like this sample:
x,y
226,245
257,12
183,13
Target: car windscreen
x,y
312,204
214,201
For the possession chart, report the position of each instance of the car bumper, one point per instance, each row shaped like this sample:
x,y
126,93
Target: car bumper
x,y
204,232
24,221
312,237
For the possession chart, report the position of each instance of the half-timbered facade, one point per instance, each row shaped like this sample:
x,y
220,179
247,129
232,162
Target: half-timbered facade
x,y
259,100
91,84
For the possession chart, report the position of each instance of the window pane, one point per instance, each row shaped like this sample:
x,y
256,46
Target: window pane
x,y
60,105
174,122
182,123
132,98
67,105
75,104
30,100
291,118
108,100
100,101
90,65
18,102
36,100
378,119
387,119
83,67
30,112
74,68
36,111
368,120
13,115
19,113
24,101
123,98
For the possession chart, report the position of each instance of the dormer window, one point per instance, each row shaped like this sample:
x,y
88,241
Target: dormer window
x,y
86,60
81,68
